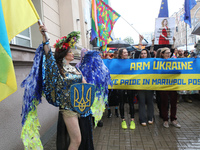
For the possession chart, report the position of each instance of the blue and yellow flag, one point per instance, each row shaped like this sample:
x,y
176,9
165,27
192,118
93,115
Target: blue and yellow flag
x,y
8,83
163,9
15,16
155,73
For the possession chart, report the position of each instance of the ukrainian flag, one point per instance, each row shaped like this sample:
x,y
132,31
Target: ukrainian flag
x,y
15,16
8,84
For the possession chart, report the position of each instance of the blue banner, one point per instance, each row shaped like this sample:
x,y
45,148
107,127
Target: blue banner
x,y
155,73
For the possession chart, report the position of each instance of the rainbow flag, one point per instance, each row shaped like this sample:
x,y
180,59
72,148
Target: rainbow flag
x,y
94,30
103,20
15,16
106,18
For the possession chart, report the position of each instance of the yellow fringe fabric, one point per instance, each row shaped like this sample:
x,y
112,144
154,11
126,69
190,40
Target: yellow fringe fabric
x,y
98,107
30,132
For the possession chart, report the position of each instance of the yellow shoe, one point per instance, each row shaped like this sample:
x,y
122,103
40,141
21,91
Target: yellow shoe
x,y
132,125
124,126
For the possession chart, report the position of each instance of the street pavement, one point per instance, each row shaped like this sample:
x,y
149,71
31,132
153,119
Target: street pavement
x,y
152,137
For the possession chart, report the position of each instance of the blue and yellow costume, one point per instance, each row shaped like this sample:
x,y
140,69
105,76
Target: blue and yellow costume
x,y
55,87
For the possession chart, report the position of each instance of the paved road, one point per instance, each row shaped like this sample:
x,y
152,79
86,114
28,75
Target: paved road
x,y
152,137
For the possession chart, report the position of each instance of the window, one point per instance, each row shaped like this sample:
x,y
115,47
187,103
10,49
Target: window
x,y
23,38
176,29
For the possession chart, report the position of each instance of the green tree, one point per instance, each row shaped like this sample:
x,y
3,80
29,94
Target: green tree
x,y
129,40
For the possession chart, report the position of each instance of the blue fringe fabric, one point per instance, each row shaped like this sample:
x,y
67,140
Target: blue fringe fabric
x,y
95,72
32,97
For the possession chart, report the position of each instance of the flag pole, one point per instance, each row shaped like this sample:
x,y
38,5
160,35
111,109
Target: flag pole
x,y
46,34
133,27
186,36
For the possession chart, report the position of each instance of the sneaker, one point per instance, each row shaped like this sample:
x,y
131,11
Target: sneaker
x,y
116,113
124,126
144,124
109,113
176,124
132,125
166,124
150,122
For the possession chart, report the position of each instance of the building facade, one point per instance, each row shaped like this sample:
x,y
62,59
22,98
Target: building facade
x,y
183,31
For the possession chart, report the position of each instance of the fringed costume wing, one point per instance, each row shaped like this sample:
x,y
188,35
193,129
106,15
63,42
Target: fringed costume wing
x,y
96,73
32,97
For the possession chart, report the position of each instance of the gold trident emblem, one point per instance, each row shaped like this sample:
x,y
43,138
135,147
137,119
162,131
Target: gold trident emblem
x,y
82,104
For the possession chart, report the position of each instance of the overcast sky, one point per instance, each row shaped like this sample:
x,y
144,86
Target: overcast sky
x,y
141,14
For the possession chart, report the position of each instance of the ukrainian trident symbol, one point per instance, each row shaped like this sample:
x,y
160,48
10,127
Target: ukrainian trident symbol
x,y
82,97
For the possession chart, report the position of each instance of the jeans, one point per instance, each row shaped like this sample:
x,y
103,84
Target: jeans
x,y
166,97
145,97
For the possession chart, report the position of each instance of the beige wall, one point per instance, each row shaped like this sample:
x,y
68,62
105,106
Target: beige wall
x,y
82,22
51,18
61,17
11,107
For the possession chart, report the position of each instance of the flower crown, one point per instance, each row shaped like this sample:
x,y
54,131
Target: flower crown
x,y
67,41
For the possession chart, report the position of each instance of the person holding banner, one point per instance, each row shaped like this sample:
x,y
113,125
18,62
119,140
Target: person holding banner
x,y
123,54
59,73
113,98
145,96
168,97
164,35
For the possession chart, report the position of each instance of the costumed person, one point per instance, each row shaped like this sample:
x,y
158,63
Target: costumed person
x,y
64,75
95,72
164,36
53,76
85,124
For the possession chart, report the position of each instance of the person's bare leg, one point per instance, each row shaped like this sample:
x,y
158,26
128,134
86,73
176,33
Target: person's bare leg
x,y
74,132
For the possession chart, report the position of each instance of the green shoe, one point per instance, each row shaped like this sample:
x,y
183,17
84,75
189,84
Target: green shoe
x,y
132,125
124,126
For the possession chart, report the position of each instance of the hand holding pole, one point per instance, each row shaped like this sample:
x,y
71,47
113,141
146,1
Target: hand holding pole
x,y
46,34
